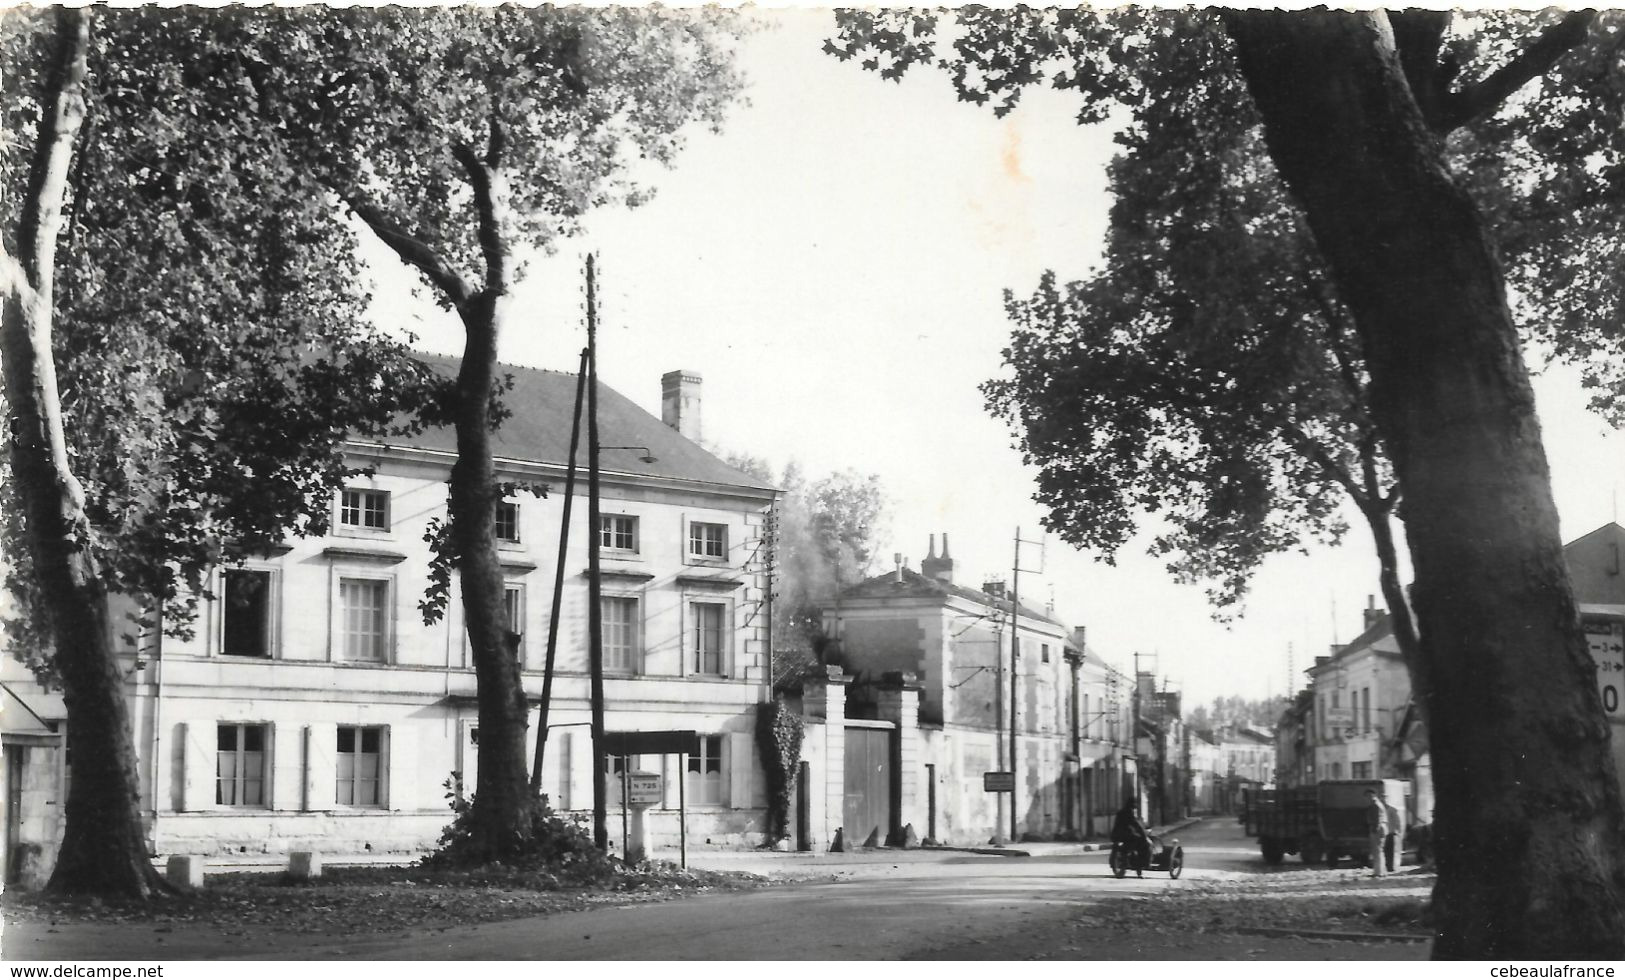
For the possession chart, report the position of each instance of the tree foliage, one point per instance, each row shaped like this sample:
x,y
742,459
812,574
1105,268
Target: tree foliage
x,y
1207,372
210,343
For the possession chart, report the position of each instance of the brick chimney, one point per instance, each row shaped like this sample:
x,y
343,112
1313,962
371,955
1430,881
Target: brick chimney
x,y
680,402
1372,613
941,569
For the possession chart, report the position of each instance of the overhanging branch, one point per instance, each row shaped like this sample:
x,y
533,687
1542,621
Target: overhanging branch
x,y
1484,96
413,251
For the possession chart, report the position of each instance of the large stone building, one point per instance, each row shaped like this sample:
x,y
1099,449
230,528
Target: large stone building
x,y
954,643
313,708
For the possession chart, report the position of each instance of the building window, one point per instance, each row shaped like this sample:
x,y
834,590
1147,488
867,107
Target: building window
x,y
1043,650
1360,770
239,765
360,760
513,605
507,522
705,772
618,532
246,614
363,619
707,643
366,509
1365,709
707,540
620,637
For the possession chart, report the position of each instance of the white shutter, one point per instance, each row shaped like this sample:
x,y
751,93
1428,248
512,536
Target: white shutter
x,y
199,742
321,769
561,748
283,774
402,792
740,765
468,755
580,771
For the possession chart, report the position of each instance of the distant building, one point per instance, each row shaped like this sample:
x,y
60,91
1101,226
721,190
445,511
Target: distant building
x,y
1360,720
954,642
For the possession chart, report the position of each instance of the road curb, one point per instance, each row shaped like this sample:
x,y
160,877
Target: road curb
x,y
1358,937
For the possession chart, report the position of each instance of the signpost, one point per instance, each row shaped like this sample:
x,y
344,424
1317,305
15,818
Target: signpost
x,y
642,790
998,782
1606,639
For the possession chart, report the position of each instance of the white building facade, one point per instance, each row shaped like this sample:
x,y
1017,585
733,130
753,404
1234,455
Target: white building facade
x,y
314,709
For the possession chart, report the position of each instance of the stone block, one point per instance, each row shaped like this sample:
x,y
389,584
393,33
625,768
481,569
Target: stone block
x,y
304,865
185,870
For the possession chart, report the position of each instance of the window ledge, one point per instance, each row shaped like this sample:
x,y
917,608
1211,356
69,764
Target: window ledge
x,y
620,574
516,561
720,582
363,554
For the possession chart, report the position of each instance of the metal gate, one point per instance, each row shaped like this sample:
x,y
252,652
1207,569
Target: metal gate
x,y
867,806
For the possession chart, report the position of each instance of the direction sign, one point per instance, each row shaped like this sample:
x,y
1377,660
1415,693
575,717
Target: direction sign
x,y
642,788
998,782
1606,639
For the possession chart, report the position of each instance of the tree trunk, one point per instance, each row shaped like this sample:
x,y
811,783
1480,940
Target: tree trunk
x,y
104,844
1529,820
503,802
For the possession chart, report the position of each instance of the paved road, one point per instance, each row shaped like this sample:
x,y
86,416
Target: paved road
x,y
873,905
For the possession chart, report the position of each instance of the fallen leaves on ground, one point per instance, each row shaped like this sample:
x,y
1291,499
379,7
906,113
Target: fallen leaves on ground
x,y
361,900
1311,901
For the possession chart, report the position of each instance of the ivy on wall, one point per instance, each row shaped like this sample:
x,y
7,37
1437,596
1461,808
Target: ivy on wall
x,y
778,738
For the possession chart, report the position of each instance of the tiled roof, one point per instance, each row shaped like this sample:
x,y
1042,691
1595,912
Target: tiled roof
x,y
917,586
542,403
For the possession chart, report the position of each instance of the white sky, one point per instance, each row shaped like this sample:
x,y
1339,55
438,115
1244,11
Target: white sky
x,y
833,264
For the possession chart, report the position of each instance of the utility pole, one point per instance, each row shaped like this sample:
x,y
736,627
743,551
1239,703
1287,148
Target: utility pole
x,y
1015,653
595,621
558,583
1015,675
1134,737
998,721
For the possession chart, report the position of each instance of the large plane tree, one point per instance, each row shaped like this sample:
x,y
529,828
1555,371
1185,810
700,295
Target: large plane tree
x,y
185,349
1355,111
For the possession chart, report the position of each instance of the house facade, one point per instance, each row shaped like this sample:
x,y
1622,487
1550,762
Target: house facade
x,y
954,643
313,708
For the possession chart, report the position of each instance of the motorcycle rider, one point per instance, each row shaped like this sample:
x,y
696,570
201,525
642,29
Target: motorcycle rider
x,y
1130,832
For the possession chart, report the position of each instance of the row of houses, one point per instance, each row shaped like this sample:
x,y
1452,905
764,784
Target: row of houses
x,y
312,708
1357,718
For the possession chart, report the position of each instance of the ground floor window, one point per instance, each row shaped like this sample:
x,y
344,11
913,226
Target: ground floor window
x,y
1359,770
240,765
360,762
705,786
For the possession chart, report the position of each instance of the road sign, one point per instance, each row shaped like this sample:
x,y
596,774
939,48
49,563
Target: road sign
x,y
642,788
998,782
1606,639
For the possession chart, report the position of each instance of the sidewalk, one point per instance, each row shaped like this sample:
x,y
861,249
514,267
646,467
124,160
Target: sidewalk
x,y
824,861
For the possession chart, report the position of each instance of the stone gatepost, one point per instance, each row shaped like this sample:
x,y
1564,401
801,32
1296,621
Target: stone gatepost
x,y
898,701
824,699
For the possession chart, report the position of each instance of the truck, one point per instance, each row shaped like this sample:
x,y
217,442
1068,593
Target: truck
x,y
1324,821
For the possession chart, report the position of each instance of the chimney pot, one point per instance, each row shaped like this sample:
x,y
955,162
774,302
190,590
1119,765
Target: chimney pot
x,y
680,402
941,569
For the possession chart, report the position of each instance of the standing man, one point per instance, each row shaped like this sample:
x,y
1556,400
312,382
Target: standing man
x,y
1376,825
